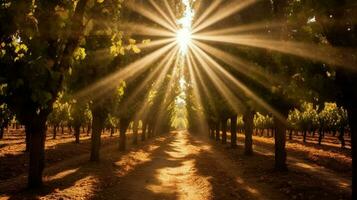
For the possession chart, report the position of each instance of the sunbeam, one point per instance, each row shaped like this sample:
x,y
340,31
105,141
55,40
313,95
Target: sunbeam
x,y
219,84
240,65
197,74
140,29
244,89
242,28
135,68
207,12
227,10
163,14
150,14
323,53
159,72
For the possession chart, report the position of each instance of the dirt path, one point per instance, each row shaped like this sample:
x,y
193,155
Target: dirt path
x,y
183,167
176,166
173,166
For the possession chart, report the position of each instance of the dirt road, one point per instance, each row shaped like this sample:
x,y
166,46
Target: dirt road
x,y
173,166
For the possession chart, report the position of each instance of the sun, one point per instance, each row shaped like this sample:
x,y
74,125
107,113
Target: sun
x,y
183,38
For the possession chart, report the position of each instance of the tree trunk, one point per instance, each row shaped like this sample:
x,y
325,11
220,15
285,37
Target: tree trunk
x,y
320,135
352,120
291,134
97,127
36,129
143,131
124,124
280,140
217,132
54,132
304,136
1,132
62,129
234,131
77,132
27,139
211,133
224,131
150,129
111,132
135,131
334,133
248,118
341,137
88,129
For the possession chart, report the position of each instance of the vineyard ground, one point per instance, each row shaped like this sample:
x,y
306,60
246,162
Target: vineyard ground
x,y
178,165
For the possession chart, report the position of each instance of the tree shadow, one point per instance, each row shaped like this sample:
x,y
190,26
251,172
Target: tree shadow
x,y
16,164
298,183
106,175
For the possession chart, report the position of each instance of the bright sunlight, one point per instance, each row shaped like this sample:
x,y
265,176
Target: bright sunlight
x,y
184,34
183,38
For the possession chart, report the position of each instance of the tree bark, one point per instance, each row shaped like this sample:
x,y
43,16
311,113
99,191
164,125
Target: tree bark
x,y
97,127
234,131
135,131
54,132
248,118
352,120
143,131
36,129
77,132
27,139
111,132
320,135
88,129
290,134
224,131
341,137
1,132
217,132
150,129
124,124
280,140
304,136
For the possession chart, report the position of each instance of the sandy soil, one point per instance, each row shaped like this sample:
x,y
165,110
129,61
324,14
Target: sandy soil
x,y
181,166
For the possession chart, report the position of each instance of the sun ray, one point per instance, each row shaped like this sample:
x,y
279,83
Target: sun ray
x,y
323,53
163,14
158,73
207,12
196,95
143,112
196,72
175,73
133,69
155,43
148,13
241,86
242,28
224,12
218,83
242,66
171,13
140,29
